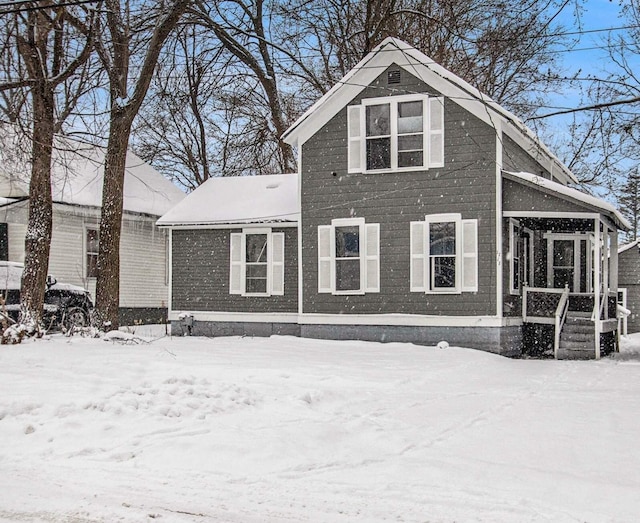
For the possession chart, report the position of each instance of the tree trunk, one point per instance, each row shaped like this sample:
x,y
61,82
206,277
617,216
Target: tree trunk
x,y
38,238
123,111
108,281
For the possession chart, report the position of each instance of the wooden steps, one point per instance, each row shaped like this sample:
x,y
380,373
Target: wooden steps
x,y
577,339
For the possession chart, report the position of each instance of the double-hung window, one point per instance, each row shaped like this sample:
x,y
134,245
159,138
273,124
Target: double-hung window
x,y
444,254
256,263
349,257
91,244
396,133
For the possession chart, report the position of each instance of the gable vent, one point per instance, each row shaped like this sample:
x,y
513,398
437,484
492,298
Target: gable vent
x,y
393,77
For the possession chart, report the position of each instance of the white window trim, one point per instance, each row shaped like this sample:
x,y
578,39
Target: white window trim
x,y
348,222
364,229
272,264
425,256
589,237
393,101
513,225
444,218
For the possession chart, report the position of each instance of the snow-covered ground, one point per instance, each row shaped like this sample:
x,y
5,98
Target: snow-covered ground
x,y
286,429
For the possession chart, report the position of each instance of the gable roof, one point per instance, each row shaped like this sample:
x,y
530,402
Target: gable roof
x,y
568,193
238,199
393,51
77,175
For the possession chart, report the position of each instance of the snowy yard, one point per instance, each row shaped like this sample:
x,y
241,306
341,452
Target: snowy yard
x,y
287,429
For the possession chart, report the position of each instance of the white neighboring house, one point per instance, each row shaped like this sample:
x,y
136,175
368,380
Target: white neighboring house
x,y
77,178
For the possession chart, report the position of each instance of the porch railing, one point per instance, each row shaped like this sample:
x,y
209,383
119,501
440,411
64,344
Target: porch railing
x,y
539,304
560,318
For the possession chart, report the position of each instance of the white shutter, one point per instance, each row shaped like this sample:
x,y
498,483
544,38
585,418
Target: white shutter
x,y
418,277
235,270
372,257
436,132
325,262
277,263
354,126
469,255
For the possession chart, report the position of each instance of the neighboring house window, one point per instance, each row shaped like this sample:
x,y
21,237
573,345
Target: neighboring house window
x,y
349,257
257,263
396,133
91,247
444,254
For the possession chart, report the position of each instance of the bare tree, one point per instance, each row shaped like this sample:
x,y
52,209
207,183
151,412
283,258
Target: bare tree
x,y
602,145
129,45
629,201
269,61
502,48
43,51
207,114
244,29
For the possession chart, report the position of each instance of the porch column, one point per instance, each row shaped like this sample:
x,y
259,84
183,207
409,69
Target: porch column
x,y
597,267
613,262
605,267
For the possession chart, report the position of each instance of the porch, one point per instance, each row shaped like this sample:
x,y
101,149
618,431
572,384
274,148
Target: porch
x,y
562,265
583,326
565,280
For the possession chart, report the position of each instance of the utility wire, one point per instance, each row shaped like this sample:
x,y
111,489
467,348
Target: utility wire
x,y
593,107
15,6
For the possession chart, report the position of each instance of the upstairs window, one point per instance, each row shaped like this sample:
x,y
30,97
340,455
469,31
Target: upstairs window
x,y
256,263
396,133
444,254
349,257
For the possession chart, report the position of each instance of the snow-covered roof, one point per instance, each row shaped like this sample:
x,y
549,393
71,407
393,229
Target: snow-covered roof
x,y
238,199
628,246
77,176
393,51
574,194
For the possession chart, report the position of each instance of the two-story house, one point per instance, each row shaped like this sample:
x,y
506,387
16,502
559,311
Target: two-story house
x,y
423,212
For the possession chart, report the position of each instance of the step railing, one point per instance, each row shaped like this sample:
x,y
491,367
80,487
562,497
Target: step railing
x,y
599,306
560,319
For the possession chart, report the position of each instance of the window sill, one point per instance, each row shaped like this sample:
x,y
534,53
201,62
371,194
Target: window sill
x,y
387,171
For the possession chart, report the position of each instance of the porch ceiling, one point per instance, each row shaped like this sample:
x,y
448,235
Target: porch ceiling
x,y
557,224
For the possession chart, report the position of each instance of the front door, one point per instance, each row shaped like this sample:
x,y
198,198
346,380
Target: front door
x,y
569,262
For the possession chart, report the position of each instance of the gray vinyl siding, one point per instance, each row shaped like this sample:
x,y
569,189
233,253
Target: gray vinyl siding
x,y
465,185
515,158
521,197
629,278
200,274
